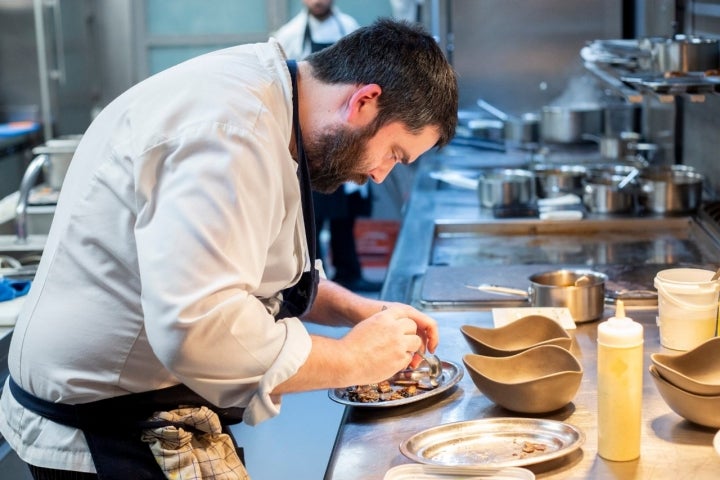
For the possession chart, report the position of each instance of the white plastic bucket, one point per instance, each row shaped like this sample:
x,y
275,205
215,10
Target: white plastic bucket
x,y
687,307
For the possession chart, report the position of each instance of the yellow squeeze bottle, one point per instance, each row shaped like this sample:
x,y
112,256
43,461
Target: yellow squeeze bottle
x,y
620,375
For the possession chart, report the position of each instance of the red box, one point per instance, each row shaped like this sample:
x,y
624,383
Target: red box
x,y
375,240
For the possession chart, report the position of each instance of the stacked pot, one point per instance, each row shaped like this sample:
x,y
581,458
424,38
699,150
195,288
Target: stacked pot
x,y
609,188
667,190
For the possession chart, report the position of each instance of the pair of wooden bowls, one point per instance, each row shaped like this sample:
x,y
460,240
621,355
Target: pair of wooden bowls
x,y
525,366
689,382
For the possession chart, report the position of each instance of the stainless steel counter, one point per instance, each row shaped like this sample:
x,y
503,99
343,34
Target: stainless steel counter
x,y
368,439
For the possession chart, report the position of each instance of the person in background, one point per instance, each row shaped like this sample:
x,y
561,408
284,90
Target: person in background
x,y
180,265
408,10
318,25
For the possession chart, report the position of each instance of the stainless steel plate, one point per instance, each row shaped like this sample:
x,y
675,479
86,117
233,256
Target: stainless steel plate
x,y
493,442
688,83
451,375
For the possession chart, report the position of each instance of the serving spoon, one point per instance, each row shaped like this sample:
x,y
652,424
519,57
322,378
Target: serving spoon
x,y
432,361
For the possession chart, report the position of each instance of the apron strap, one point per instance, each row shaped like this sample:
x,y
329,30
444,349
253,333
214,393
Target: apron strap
x,y
317,46
298,299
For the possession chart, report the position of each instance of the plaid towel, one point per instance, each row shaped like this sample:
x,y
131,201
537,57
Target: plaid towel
x,y
199,451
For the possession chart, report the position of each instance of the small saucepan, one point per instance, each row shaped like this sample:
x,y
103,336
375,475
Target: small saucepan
x,y
506,187
581,291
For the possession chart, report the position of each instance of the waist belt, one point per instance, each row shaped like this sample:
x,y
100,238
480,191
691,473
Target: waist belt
x,y
112,426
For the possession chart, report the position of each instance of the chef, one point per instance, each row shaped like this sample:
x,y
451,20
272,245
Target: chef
x,y
318,25
180,264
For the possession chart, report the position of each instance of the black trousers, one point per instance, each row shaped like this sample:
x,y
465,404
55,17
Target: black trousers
x,y
341,210
39,473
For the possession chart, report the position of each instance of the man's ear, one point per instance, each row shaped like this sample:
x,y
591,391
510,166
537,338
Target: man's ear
x,y
362,106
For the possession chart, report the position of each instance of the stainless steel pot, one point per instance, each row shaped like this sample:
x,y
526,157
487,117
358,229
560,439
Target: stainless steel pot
x,y
685,53
602,192
523,130
670,189
506,187
568,124
557,180
581,291
616,146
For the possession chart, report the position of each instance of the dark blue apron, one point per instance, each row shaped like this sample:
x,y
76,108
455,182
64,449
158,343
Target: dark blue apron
x,y
112,427
298,299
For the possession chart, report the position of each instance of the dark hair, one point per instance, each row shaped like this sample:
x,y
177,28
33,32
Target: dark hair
x,y
419,87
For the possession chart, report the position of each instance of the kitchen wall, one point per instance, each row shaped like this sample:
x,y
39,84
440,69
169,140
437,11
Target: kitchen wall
x,y
515,54
701,121
520,55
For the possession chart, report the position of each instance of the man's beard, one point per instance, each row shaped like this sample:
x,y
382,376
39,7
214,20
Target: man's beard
x,y
337,156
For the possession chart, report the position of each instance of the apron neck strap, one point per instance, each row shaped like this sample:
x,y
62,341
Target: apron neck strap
x,y
303,172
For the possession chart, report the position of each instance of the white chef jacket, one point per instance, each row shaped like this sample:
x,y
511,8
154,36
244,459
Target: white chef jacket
x,y
178,223
292,35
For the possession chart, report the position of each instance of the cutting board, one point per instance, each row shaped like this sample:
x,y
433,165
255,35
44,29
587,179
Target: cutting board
x,y
446,285
9,311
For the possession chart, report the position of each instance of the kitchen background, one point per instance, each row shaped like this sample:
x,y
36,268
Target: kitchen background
x,y
62,61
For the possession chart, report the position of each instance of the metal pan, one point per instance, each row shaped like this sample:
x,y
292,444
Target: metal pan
x,y
581,291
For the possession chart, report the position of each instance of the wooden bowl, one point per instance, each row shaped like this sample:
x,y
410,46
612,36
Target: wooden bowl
x,y
696,371
538,380
518,336
701,409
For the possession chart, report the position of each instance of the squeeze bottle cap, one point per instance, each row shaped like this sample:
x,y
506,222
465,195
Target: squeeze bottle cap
x,y
620,331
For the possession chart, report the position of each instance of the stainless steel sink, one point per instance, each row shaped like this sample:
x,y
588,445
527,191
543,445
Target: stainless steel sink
x,y
20,259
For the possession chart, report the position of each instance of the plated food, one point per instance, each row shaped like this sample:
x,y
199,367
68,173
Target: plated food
x,y
405,387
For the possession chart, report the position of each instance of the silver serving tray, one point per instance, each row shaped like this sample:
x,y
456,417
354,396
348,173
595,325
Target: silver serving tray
x,y
492,442
451,375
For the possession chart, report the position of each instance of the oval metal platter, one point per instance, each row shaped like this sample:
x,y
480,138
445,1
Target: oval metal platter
x,y
451,375
493,442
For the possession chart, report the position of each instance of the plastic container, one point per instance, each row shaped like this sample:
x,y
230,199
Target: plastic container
x,y
687,307
440,472
620,374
